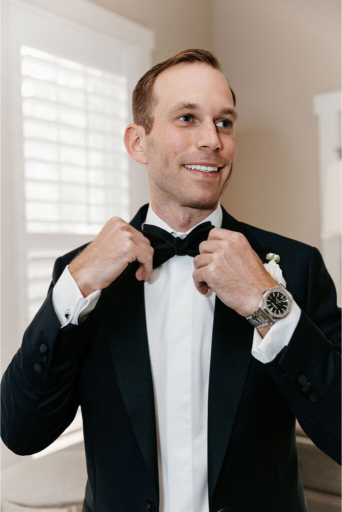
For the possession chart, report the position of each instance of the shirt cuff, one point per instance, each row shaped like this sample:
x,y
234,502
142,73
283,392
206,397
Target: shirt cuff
x,y
69,304
267,348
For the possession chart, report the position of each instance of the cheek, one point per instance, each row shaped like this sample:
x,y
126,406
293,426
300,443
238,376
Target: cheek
x,y
178,143
230,147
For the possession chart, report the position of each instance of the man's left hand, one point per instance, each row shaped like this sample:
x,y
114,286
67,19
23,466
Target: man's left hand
x,y
228,265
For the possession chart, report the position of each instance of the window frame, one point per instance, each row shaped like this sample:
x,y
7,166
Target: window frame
x,y
88,20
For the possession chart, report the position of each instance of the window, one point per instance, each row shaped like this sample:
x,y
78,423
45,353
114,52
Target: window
x,y
74,160
72,73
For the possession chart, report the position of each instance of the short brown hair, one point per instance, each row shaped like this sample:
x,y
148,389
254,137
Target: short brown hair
x,y
144,100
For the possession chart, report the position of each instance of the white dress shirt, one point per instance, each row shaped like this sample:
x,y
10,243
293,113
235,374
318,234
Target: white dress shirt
x,y
179,326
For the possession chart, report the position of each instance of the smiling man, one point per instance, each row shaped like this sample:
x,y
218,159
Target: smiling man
x,y
190,361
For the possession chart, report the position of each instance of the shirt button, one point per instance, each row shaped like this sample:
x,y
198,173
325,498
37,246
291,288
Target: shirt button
x,y
67,313
42,358
149,506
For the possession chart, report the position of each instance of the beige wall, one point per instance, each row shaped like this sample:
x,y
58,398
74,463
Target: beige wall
x,y
277,54
178,24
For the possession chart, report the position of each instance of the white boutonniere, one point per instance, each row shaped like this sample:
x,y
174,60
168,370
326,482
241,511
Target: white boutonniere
x,y
273,268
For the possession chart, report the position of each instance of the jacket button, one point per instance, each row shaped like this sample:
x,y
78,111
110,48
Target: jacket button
x,y
42,358
38,368
43,348
302,379
314,397
149,506
308,388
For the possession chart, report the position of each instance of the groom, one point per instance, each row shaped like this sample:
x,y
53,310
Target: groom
x,y
189,360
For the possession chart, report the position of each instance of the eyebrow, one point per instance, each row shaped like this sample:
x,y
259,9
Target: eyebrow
x,y
194,106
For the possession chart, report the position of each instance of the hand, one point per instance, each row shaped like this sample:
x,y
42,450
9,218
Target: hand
x,y
228,265
104,259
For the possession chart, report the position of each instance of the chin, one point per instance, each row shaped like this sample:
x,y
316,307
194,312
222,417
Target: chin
x,y
204,203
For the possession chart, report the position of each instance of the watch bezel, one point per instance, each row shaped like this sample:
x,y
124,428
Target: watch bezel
x,y
281,289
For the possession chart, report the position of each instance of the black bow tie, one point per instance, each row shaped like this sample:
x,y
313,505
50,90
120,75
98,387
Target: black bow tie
x,y
166,246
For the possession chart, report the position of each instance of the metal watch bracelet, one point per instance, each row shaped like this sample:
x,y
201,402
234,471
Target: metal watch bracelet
x,y
260,318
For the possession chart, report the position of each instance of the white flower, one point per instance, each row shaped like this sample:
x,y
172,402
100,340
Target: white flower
x,y
273,268
271,256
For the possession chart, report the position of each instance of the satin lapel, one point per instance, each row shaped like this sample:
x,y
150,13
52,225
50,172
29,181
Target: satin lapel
x,y
230,360
125,327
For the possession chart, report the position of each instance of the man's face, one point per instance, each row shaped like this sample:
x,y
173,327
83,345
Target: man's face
x,y
193,126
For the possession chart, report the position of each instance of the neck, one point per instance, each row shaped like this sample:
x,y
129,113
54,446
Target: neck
x,y
182,218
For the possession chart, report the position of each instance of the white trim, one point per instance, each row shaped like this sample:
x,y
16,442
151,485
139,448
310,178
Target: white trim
x,y
95,17
327,107
133,43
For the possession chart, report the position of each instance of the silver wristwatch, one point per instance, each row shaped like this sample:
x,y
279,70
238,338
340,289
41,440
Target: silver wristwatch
x,y
275,304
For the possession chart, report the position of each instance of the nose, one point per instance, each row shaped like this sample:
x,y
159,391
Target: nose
x,y
208,137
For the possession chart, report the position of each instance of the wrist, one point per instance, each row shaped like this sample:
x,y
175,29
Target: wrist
x,y
264,330
251,302
81,279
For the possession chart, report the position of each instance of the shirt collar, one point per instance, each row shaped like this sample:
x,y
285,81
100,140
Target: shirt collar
x,y
152,218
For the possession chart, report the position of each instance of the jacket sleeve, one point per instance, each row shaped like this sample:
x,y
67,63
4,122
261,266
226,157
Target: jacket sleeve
x,y
308,370
39,396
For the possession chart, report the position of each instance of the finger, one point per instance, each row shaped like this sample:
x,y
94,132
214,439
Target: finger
x,y
137,235
202,260
219,234
139,273
145,258
210,246
227,234
199,281
143,243
126,229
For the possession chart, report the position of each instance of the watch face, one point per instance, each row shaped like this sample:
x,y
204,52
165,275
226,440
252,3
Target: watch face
x,y
277,303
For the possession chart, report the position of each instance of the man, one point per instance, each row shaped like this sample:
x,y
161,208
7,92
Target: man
x,y
189,372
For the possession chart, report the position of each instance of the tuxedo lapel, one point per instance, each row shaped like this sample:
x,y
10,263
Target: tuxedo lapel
x,y
125,325
229,364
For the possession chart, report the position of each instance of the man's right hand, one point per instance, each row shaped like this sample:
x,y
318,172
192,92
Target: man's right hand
x,y
104,259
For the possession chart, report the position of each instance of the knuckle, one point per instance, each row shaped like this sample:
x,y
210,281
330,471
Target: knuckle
x,y
127,234
114,220
227,245
214,271
239,237
217,256
213,232
127,246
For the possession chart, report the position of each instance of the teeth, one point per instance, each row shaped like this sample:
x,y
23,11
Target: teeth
x,y
202,168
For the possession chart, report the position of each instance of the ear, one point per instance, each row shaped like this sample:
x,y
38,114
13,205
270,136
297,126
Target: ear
x,y
134,142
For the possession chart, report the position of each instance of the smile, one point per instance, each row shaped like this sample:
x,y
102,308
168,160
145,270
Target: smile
x,y
202,168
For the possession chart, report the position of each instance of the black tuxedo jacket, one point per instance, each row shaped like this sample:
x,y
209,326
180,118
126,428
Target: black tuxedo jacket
x,y
103,365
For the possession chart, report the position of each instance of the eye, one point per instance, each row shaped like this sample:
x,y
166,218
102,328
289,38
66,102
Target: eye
x,y
187,118
225,123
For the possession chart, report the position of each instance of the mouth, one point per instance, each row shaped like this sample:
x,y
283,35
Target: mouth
x,y
203,168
